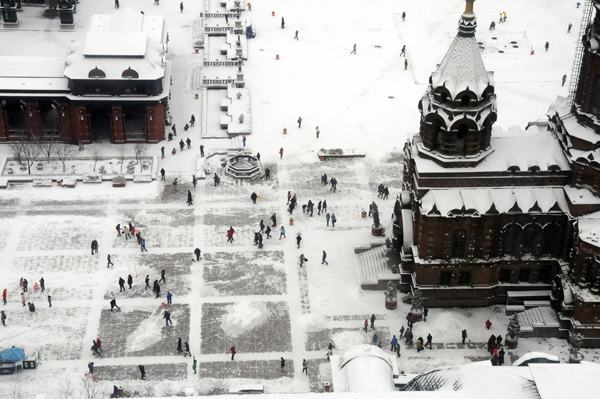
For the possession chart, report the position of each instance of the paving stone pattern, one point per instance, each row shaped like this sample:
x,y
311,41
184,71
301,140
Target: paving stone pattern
x,y
170,228
319,340
64,263
154,372
304,298
273,335
316,381
116,326
237,273
251,369
66,234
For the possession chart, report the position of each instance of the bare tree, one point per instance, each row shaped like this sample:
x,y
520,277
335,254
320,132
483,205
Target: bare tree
x,y
166,389
92,389
48,146
122,155
16,148
66,389
30,154
16,392
140,150
96,153
148,390
63,152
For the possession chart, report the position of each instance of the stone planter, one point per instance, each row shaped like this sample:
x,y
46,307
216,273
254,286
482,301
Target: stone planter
x,y
377,231
391,305
575,360
416,315
119,181
511,343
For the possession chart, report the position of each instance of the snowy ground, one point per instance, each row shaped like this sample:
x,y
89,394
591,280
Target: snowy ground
x,y
260,301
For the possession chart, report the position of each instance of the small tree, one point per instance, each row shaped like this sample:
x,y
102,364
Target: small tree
x,y
122,155
417,300
16,148
514,327
91,389
63,152
47,147
140,150
66,390
575,341
96,153
375,213
391,294
30,154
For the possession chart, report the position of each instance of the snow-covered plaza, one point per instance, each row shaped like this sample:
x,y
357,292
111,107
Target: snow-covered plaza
x,y
259,300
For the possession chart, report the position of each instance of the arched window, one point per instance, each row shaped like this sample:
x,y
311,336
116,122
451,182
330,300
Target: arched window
x,y
96,73
461,136
443,97
458,244
130,73
528,239
550,238
465,100
509,240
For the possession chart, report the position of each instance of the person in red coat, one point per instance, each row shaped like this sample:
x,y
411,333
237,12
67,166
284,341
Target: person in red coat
x,y
233,352
488,324
4,296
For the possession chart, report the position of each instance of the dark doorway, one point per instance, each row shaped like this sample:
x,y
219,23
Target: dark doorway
x,y
135,123
464,278
100,123
16,123
461,136
445,278
524,275
505,275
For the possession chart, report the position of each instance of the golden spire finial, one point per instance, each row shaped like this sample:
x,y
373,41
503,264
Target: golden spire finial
x,y
469,14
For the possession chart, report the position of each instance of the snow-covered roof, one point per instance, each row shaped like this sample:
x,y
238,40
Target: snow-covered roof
x,y
575,129
33,74
407,228
129,20
532,148
581,196
589,228
363,368
115,44
462,67
485,200
553,381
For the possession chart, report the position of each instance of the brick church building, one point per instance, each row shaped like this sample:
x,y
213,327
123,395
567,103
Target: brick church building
x,y
502,217
112,87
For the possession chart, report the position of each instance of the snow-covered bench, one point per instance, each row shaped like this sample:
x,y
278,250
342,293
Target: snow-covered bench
x,y
3,183
200,172
142,178
92,178
42,182
69,182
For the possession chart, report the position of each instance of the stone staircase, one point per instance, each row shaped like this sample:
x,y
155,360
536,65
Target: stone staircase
x,y
539,322
375,266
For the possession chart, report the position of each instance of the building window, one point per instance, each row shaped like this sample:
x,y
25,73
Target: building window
x,y
96,73
130,73
524,275
596,98
458,244
465,100
461,136
464,278
509,240
550,238
445,278
505,275
544,275
528,239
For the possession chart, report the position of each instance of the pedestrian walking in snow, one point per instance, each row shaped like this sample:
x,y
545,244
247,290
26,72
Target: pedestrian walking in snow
x,y
403,51
405,63
493,25
499,341
253,197
127,232
197,252
121,284
274,220
261,225
299,122
233,352
192,120
333,220
189,143
425,312
187,348
3,318
429,341
94,246
374,340
282,23
190,200
143,245
318,131
281,153
157,288
194,365
564,79
393,344
141,367
488,324
181,144
42,284
304,366
267,173
169,297
147,282
162,276
501,357
99,344
194,180
244,140
91,367
202,151
464,336
49,301
167,317
31,307
296,37
230,233
569,27
373,318
403,16
353,49
302,260
324,206
282,232
366,327
298,239
179,348
494,358
181,9
401,333
327,217
282,364
94,349
268,231
117,7
4,296
547,46
324,260
129,281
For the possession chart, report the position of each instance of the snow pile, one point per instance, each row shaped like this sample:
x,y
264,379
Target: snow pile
x,y
243,316
313,322
147,334
347,339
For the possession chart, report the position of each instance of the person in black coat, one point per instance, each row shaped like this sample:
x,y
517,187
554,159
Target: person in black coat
x,y
179,350
501,357
190,200
121,284
142,371
253,197
129,281
197,252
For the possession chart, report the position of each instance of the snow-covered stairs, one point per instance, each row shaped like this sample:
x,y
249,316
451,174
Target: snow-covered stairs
x,y
539,322
371,264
